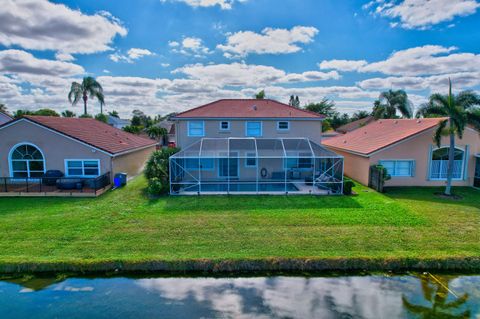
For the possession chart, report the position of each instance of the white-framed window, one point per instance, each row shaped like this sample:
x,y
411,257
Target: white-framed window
x,y
251,159
399,168
224,126
283,125
82,167
196,128
439,163
26,160
253,129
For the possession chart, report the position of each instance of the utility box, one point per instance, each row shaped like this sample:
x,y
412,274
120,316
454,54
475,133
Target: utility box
x,y
120,180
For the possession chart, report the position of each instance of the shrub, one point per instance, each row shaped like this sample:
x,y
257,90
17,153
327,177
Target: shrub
x,y
157,171
101,117
348,184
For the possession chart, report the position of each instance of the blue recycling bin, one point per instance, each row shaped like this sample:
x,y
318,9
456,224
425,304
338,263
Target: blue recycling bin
x,y
120,179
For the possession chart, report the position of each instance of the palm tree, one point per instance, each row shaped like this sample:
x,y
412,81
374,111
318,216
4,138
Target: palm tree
x,y
88,88
435,292
3,108
390,102
461,111
68,113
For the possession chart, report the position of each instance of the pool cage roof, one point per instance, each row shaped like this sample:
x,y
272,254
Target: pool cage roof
x,y
255,147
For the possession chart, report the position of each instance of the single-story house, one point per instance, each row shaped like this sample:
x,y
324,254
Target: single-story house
x,y
405,147
4,118
355,124
79,147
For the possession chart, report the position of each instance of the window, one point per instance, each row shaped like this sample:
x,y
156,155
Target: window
x,y
83,168
228,167
224,126
206,164
253,129
196,128
27,160
251,160
299,162
283,126
439,163
398,168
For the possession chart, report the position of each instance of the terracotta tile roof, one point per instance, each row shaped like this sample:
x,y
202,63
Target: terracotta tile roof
x,y
247,108
94,133
355,124
380,134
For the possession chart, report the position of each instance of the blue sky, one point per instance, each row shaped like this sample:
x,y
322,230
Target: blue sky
x,y
170,55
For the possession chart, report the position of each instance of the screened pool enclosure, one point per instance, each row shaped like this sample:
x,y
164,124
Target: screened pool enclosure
x,y
255,166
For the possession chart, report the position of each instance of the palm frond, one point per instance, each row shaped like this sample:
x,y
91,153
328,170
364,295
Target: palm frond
x,y
440,132
467,99
75,93
430,110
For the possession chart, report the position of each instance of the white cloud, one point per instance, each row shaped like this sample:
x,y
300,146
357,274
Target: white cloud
x,y
190,46
342,65
132,55
422,14
64,56
21,62
224,4
240,74
42,25
268,41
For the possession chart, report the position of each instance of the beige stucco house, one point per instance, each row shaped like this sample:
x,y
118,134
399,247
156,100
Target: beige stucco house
x,y
78,147
251,146
405,147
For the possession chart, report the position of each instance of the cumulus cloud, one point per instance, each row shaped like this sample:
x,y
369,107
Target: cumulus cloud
x,y
21,62
240,74
223,4
268,41
424,60
422,14
342,65
190,46
42,25
132,55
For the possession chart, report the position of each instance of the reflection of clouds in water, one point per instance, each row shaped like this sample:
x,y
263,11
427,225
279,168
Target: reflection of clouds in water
x,y
65,287
361,297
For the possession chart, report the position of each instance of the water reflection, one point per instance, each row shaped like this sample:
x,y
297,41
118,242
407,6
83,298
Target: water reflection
x,y
378,296
442,301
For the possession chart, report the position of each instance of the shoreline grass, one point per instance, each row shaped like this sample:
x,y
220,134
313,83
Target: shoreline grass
x,y
407,228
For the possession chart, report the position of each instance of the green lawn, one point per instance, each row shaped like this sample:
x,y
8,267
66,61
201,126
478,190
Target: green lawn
x,y
124,225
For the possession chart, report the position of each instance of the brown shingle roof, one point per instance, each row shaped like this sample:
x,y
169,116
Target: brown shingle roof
x,y
380,134
94,133
355,124
247,108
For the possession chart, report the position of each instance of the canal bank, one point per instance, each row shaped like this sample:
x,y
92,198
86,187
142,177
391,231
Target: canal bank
x,y
234,267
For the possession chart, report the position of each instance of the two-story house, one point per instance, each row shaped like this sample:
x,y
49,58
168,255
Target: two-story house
x,y
252,146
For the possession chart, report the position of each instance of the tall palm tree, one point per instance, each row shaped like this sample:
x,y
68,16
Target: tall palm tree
x,y
390,102
461,110
88,88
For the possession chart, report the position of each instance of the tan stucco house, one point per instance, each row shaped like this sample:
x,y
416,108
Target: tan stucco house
x,y
405,147
252,146
78,147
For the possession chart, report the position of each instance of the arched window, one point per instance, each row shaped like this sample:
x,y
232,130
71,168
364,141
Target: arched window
x,y
439,163
26,160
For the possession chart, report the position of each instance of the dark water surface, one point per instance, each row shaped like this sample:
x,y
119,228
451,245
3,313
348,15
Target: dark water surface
x,y
373,296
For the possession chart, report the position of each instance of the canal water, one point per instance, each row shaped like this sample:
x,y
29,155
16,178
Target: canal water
x,y
422,295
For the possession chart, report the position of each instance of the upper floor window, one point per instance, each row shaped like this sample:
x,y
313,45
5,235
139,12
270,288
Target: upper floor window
x,y
224,126
399,168
283,126
253,129
196,128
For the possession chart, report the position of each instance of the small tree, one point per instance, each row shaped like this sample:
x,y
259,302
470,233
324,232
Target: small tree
x,y
294,101
260,95
68,113
101,117
114,114
156,132
390,102
157,171
325,107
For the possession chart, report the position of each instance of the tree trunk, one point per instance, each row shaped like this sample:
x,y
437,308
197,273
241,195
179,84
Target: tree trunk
x,y
85,98
451,155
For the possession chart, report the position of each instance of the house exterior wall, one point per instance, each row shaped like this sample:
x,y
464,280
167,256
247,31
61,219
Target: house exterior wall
x,y
311,129
132,163
355,166
418,149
